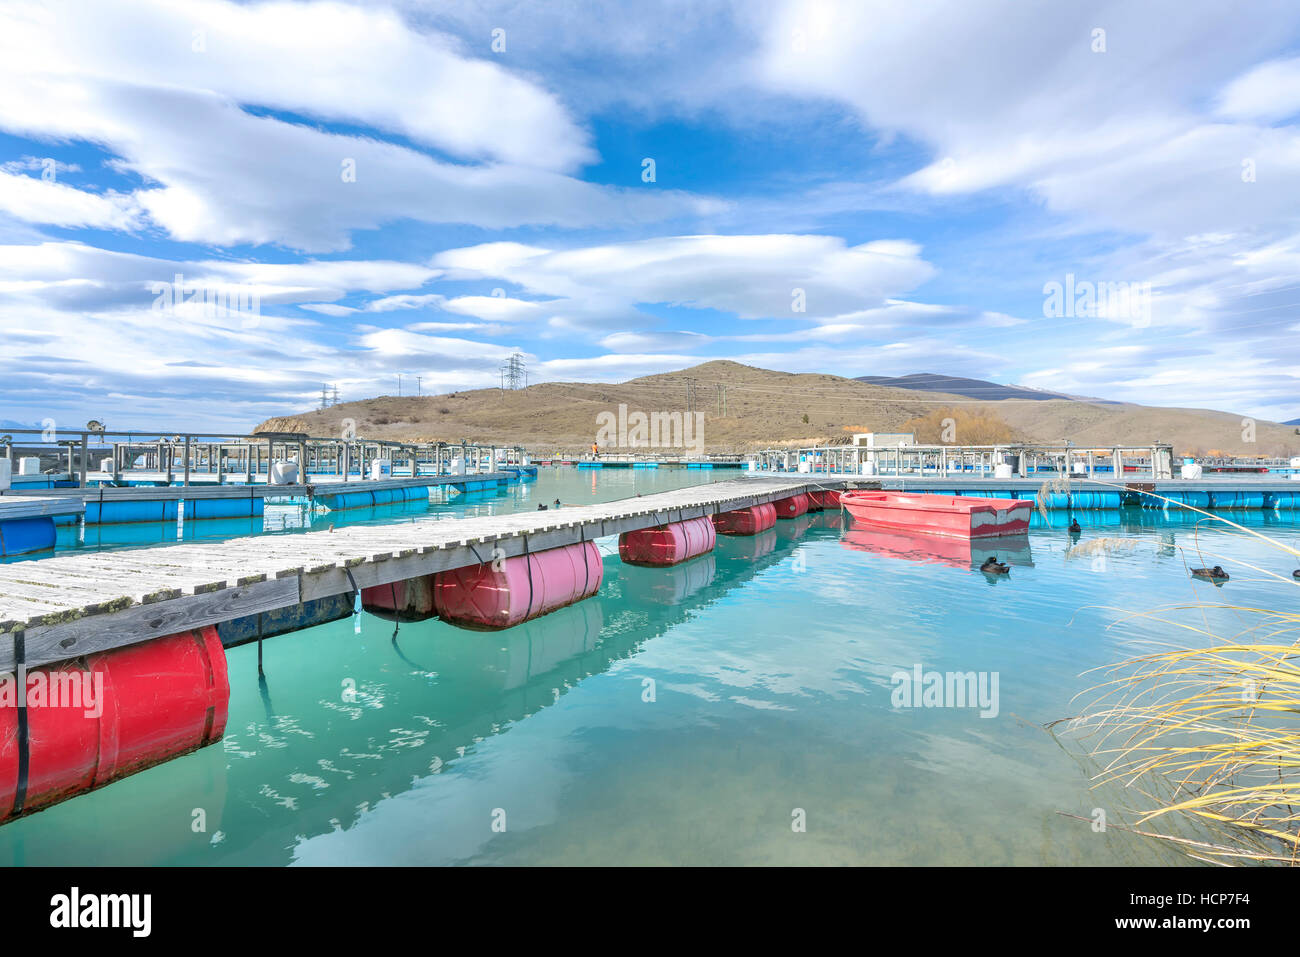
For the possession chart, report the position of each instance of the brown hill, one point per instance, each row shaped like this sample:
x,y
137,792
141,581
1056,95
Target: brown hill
x,y
745,407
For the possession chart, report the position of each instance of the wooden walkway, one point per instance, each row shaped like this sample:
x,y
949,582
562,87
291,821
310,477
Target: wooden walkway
x,y
71,605
31,506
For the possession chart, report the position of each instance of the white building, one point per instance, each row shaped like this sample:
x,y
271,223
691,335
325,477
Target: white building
x,y
883,440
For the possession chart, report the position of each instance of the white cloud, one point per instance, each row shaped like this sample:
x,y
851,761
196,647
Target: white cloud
x,y
633,342
405,301
36,200
329,61
66,275
328,309
127,77
1266,93
1120,138
750,276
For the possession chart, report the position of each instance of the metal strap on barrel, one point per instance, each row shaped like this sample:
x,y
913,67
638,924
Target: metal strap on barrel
x,y
586,572
528,563
24,750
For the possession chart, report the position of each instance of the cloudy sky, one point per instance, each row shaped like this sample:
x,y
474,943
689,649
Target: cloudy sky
x,y
614,189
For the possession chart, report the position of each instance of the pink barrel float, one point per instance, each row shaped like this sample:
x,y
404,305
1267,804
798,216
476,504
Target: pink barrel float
x,y
525,587
667,544
963,517
792,507
109,715
486,598
745,521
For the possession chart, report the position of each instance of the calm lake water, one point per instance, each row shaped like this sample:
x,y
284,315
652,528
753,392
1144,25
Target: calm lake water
x,y
570,485
685,715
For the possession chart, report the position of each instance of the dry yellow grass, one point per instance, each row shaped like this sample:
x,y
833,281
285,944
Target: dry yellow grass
x,y
762,407
1206,731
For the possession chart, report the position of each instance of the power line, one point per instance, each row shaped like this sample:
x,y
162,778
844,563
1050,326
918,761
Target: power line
x,y
514,373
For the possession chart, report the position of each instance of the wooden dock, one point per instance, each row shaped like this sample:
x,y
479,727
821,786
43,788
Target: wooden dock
x,y
324,486
71,605
110,505
16,507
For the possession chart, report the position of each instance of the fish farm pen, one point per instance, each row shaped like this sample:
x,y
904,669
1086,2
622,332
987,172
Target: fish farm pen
x,y
1057,477
171,610
165,458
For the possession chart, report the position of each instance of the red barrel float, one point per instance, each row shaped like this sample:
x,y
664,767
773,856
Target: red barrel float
x,y
823,498
792,507
527,586
409,600
667,544
111,714
745,521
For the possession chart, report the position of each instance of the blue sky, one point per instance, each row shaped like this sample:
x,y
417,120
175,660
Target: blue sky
x,y
915,174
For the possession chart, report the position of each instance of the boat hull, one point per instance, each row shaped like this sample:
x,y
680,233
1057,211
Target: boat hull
x,y
946,515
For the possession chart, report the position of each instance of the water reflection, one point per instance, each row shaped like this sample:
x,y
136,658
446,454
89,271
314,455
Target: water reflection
x,y
968,553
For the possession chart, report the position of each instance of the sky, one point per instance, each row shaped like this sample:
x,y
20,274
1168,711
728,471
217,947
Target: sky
x,y
210,209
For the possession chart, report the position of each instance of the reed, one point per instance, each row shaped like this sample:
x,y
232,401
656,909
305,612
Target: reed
x,y
1207,731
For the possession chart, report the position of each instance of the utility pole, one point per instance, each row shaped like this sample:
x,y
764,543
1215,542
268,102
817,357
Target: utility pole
x,y
419,390
514,374
399,384
324,395
336,395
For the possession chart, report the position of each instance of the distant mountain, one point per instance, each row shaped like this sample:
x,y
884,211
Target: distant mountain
x,y
1292,422
956,385
744,407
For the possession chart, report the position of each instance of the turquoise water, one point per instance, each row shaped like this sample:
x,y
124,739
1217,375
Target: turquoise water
x,y
770,662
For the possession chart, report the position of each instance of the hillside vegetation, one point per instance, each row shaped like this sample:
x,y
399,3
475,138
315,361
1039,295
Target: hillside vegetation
x,y
745,407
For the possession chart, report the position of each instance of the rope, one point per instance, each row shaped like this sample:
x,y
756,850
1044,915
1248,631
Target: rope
x,y
356,600
528,563
24,749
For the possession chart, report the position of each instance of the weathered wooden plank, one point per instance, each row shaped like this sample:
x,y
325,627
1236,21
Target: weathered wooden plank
x,y
12,508
46,644
100,585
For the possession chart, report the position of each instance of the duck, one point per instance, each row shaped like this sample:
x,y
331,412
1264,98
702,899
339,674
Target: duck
x,y
1296,573
992,566
1216,573
1075,527
541,508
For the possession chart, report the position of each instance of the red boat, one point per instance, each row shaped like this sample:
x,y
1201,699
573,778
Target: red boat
x,y
963,517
